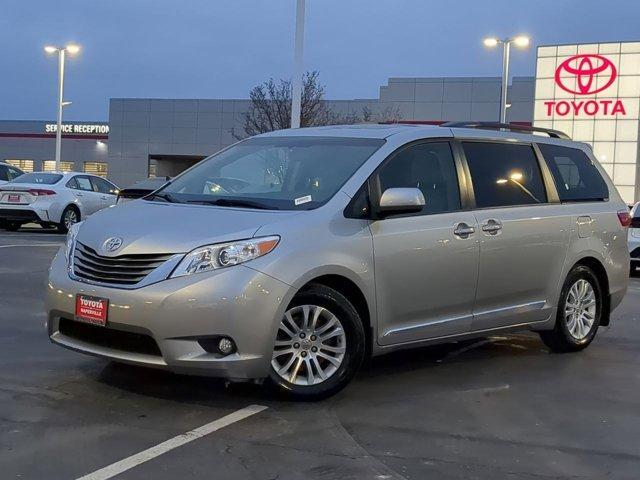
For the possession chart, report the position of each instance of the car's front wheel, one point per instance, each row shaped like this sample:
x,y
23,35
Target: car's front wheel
x,y
319,346
579,312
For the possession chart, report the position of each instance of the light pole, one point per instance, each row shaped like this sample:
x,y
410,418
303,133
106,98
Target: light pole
x,y
71,49
519,41
296,84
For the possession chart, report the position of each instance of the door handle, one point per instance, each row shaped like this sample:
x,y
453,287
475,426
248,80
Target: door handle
x,y
492,227
103,197
79,194
463,230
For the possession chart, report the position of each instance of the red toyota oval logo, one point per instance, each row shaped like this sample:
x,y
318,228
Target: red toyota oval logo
x,y
586,68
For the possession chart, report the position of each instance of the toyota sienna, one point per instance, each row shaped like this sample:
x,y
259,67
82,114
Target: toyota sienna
x,y
295,255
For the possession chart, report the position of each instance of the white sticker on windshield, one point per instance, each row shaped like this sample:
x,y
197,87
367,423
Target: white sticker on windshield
x,y
301,200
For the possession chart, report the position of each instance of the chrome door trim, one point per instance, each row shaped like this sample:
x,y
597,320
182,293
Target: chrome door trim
x,y
513,310
396,331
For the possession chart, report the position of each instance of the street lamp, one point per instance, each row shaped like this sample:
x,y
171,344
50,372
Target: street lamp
x,y
519,41
296,84
71,49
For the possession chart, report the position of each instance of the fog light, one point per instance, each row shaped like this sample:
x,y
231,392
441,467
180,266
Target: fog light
x,y
226,346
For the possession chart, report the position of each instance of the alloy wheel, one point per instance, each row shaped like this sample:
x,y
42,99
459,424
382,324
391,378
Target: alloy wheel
x,y
70,217
310,345
580,309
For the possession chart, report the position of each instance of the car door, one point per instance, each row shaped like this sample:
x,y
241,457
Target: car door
x,y
426,264
88,199
107,190
524,234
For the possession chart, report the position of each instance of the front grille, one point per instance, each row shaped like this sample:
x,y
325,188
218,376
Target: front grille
x,y
109,338
122,270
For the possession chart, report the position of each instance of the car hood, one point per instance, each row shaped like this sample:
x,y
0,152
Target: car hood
x,y
155,228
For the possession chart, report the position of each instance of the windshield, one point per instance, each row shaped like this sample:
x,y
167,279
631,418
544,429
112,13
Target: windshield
x,y
276,173
43,178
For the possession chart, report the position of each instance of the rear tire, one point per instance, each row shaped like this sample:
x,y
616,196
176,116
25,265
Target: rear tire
x,y
319,347
70,215
12,226
579,312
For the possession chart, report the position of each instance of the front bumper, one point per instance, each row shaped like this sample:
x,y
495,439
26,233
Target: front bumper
x,y
238,302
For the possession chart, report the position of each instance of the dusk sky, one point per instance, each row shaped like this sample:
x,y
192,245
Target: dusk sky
x,y
220,49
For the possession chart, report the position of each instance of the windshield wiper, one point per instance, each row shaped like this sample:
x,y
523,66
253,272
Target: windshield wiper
x,y
164,196
230,202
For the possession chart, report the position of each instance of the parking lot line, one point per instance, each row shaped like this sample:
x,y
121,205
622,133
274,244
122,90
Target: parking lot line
x,y
175,442
33,245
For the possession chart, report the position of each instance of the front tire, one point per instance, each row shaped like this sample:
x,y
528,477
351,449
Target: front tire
x,y
319,346
579,312
70,215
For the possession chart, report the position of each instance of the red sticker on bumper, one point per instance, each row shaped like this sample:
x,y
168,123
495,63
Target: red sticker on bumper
x,y
92,309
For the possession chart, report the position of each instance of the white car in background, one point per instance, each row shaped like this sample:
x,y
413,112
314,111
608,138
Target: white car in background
x,y
54,199
8,173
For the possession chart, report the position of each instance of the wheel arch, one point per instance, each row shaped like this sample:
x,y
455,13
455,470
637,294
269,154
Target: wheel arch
x,y
73,205
355,295
601,273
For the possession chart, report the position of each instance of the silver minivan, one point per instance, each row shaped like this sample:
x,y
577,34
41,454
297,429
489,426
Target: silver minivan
x,y
295,255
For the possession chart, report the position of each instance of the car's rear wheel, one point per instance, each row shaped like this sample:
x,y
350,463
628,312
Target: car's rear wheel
x,y
70,215
319,345
579,312
12,226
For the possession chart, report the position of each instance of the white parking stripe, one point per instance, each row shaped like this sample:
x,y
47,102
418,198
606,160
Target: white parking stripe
x,y
175,442
33,245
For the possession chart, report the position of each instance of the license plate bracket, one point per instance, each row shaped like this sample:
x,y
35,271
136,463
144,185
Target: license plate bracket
x,y
93,310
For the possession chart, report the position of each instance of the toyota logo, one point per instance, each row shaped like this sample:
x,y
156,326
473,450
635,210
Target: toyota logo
x,y
586,69
112,244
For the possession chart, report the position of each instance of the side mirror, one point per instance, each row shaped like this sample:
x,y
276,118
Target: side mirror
x,y
401,200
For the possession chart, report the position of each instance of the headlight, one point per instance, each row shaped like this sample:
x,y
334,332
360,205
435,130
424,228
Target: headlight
x,y
71,240
222,255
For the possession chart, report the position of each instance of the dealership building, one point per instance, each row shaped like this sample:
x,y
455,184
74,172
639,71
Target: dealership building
x,y
589,91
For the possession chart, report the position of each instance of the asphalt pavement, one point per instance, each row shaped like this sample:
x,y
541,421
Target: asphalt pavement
x,y
494,408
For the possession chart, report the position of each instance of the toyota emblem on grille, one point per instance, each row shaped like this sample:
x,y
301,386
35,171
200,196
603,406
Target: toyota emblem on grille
x,y
112,244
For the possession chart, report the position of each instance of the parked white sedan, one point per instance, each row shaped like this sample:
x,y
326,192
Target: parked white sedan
x,y
54,199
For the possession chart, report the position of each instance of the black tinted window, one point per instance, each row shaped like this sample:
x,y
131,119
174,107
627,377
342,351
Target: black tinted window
x,y
102,186
504,174
575,175
4,173
429,167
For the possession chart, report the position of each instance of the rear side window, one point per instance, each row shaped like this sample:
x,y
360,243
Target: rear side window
x,y
83,183
576,177
504,174
4,173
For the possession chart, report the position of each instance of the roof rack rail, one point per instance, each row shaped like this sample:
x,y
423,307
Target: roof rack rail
x,y
511,127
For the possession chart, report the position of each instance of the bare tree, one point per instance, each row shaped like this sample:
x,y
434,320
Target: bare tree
x,y
270,108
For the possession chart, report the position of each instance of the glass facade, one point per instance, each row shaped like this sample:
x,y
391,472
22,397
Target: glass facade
x,y
592,93
24,165
50,166
96,168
